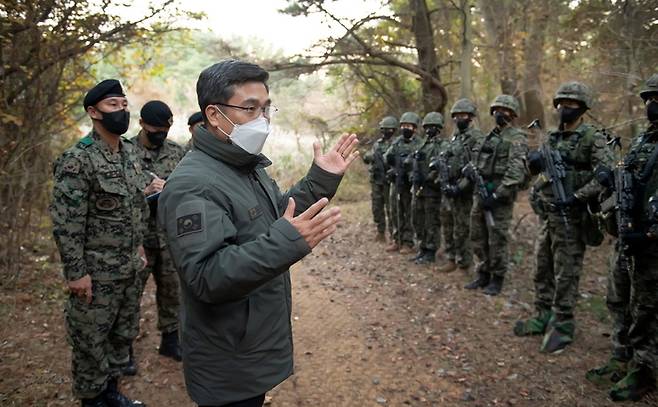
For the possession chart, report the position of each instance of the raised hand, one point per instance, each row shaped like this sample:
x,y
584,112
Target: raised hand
x,y
312,224
339,157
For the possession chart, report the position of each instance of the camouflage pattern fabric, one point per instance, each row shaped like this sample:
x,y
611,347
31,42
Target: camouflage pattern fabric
x,y
500,158
380,194
98,212
455,211
160,161
426,204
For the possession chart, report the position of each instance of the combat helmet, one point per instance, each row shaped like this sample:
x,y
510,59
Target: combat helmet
x,y
411,118
574,90
650,87
433,118
389,122
464,106
506,101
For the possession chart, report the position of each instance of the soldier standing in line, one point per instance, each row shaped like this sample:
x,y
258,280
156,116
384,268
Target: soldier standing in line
x,y
97,212
379,184
633,278
580,148
397,158
457,192
426,194
159,156
193,121
497,172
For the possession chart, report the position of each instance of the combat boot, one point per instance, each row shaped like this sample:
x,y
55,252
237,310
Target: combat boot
x,y
447,267
426,257
170,346
114,398
393,247
98,401
406,249
380,237
639,381
495,285
131,368
533,326
613,371
416,256
480,282
559,336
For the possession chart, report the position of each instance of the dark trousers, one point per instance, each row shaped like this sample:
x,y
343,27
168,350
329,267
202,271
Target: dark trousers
x,y
252,402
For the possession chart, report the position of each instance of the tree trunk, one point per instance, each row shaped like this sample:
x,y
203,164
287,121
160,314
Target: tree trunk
x,y
467,50
533,52
434,96
497,20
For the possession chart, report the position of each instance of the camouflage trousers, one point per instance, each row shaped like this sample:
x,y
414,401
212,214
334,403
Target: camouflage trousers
x,y
633,304
393,205
167,292
559,257
381,208
455,217
490,244
427,221
100,333
404,233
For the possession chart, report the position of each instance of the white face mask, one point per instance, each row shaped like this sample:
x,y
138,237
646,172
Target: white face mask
x,y
250,136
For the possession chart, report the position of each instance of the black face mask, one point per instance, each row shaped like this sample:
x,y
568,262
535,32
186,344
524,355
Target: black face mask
x,y
652,112
569,114
156,138
432,131
387,133
116,122
462,124
501,119
407,133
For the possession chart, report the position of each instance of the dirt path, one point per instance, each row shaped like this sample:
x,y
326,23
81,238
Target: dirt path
x,y
370,329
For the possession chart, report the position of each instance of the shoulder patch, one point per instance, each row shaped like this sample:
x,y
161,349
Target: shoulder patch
x,y
187,224
71,165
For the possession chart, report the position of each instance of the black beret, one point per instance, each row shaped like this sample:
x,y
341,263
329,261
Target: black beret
x,y
194,119
104,90
157,113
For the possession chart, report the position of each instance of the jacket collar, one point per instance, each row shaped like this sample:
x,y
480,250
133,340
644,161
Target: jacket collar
x,y
227,152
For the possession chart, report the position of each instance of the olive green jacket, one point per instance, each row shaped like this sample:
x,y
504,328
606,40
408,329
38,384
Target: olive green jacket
x,y
221,213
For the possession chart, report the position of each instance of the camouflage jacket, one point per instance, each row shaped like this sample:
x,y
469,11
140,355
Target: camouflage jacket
x,y
375,159
500,157
97,209
161,162
645,178
399,157
582,150
457,153
430,149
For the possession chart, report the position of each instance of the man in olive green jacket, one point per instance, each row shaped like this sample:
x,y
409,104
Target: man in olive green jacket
x,y
233,236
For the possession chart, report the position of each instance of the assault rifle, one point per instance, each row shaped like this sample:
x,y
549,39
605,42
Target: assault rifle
x,y
471,172
554,171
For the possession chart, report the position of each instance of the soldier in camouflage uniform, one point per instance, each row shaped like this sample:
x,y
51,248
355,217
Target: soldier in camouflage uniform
x,y
193,121
379,184
426,193
457,193
159,156
399,158
563,238
97,212
633,279
500,160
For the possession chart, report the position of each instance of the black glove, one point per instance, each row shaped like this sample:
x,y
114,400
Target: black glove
x,y
450,190
489,202
605,176
535,164
570,202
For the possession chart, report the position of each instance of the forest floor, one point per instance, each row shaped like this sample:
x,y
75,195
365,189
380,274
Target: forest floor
x,y
370,329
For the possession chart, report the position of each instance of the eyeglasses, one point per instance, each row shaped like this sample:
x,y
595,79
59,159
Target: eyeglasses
x,y
267,111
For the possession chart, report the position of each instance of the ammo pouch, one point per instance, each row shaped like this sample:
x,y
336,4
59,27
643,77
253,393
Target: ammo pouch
x,y
591,227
